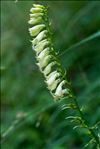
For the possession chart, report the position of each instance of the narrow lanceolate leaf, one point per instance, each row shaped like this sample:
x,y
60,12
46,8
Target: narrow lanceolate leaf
x,y
46,58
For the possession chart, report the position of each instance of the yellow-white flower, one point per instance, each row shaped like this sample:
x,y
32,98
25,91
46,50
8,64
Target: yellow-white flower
x,y
34,21
41,45
52,78
36,10
60,91
34,16
53,85
38,6
39,37
48,68
36,29
52,74
43,54
43,63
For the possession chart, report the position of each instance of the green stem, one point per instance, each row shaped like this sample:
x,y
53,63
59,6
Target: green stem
x,y
87,124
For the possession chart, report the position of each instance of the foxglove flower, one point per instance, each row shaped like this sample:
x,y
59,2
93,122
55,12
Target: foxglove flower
x,y
46,56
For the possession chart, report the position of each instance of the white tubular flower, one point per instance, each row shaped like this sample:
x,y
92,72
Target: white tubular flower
x,y
53,85
52,74
52,78
34,16
41,45
45,61
39,37
44,53
46,57
48,68
35,20
36,29
36,10
60,91
38,6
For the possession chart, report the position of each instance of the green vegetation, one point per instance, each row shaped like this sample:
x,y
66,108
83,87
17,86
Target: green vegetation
x,y
30,118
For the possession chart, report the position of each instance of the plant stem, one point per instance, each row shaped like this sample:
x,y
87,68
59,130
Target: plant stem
x,y
86,123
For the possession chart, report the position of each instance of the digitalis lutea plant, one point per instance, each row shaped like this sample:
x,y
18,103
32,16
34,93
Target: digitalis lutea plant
x,y
50,66
46,56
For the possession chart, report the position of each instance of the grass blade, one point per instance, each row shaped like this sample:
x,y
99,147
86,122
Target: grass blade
x,y
87,39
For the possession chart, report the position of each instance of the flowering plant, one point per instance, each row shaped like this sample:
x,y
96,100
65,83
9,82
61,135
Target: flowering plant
x,y
50,66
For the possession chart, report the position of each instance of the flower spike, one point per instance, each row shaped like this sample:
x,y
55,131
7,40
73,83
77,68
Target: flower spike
x,y
46,56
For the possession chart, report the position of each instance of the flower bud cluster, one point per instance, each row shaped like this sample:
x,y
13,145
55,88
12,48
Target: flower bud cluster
x,y
46,56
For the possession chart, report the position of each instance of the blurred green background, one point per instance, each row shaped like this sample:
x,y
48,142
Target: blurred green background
x,y
30,119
